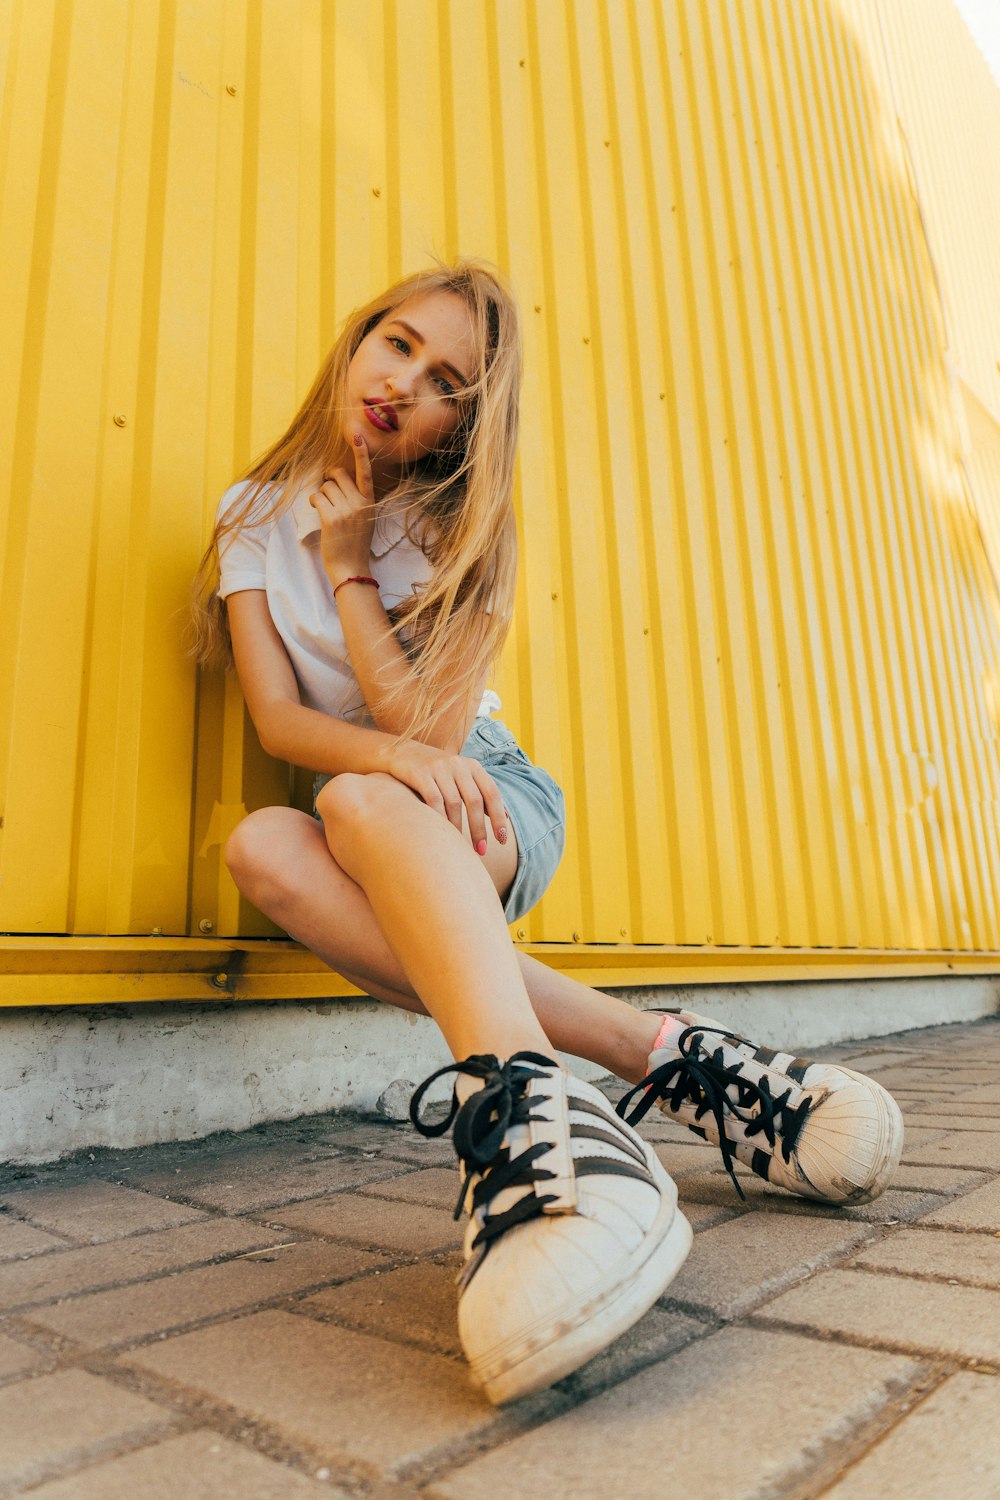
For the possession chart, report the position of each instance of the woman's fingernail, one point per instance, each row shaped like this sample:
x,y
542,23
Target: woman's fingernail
x,y
501,835
481,847
358,439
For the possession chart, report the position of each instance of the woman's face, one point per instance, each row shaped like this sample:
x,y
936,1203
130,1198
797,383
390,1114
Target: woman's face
x,y
406,378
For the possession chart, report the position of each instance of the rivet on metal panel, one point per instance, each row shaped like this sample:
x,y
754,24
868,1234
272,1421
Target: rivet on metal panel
x,y
206,925
607,143
231,89
119,419
538,307
156,932
586,341
521,933
576,937
520,62
221,981
555,595
376,192
645,630
623,932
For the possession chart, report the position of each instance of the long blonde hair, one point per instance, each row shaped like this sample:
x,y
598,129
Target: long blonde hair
x,y
458,501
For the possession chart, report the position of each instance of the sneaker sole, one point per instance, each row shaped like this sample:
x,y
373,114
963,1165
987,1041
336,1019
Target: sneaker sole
x,y
553,1350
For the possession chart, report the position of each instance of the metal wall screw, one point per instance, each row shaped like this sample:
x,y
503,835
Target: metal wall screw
x,y
221,981
156,932
521,933
205,925
231,89
576,937
119,419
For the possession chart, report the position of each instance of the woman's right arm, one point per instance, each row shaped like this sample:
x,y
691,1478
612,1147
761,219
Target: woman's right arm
x,y
290,731
286,728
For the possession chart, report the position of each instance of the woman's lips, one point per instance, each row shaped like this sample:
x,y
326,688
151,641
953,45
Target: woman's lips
x,y
381,417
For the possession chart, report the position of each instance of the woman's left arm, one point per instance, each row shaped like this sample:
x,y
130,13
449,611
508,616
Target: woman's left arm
x,y
380,664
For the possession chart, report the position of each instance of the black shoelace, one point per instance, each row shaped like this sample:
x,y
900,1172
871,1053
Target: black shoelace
x,y
481,1124
703,1078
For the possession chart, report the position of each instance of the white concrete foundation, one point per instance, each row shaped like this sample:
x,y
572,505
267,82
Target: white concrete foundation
x,y
120,1075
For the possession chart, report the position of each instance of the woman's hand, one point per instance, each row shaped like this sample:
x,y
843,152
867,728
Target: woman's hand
x,y
344,506
449,783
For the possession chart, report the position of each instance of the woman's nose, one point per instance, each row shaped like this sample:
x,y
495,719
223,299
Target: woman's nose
x,y
399,386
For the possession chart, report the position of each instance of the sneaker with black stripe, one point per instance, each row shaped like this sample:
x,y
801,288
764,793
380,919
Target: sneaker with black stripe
x,y
574,1228
812,1128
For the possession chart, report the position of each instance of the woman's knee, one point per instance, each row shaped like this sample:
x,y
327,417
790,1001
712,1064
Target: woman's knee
x,y
264,846
352,802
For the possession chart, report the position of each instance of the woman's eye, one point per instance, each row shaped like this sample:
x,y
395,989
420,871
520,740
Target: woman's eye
x,y
398,343
446,386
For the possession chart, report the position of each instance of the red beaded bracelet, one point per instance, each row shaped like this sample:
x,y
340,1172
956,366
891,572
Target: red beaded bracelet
x,y
355,579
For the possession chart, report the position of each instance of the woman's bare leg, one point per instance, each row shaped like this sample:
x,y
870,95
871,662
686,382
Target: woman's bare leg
x,y
437,905
280,860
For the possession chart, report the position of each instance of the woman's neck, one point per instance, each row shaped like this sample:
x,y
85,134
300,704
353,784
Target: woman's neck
x,y
384,481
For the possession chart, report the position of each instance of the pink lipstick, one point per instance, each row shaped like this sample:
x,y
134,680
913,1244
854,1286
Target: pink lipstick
x,y
381,416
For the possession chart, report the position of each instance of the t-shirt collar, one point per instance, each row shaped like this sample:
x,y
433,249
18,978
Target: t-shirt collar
x,y
389,530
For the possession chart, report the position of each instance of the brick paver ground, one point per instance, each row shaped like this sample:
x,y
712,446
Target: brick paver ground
x,y
273,1314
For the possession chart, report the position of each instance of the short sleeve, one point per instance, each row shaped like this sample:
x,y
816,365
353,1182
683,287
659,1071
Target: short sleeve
x,y
242,553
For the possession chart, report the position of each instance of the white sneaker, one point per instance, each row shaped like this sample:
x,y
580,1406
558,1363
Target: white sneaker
x,y
574,1228
812,1128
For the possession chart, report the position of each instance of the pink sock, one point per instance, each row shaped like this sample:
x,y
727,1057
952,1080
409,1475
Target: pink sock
x,y
668,1032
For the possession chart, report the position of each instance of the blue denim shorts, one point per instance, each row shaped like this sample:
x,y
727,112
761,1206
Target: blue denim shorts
x,y
535,804
536,807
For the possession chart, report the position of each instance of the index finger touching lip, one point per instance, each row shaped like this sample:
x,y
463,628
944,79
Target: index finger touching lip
x,y
362,465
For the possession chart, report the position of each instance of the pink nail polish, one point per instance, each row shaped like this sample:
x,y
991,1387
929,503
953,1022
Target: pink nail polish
x,y
481,847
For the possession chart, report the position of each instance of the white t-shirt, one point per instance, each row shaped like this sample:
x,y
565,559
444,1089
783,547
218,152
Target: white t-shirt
x,y
283,558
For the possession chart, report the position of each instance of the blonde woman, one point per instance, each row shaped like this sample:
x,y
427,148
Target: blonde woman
x,y
363,573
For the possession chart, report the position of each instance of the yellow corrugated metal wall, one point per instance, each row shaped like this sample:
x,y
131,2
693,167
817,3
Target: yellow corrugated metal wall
x,y
927,46
758,637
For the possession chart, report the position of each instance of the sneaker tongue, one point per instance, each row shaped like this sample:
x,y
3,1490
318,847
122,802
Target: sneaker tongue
x,y
516,1140
466,1084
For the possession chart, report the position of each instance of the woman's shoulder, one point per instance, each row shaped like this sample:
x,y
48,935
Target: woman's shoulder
x,y
234,502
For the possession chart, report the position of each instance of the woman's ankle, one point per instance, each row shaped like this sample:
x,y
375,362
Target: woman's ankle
x,y
636,1045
